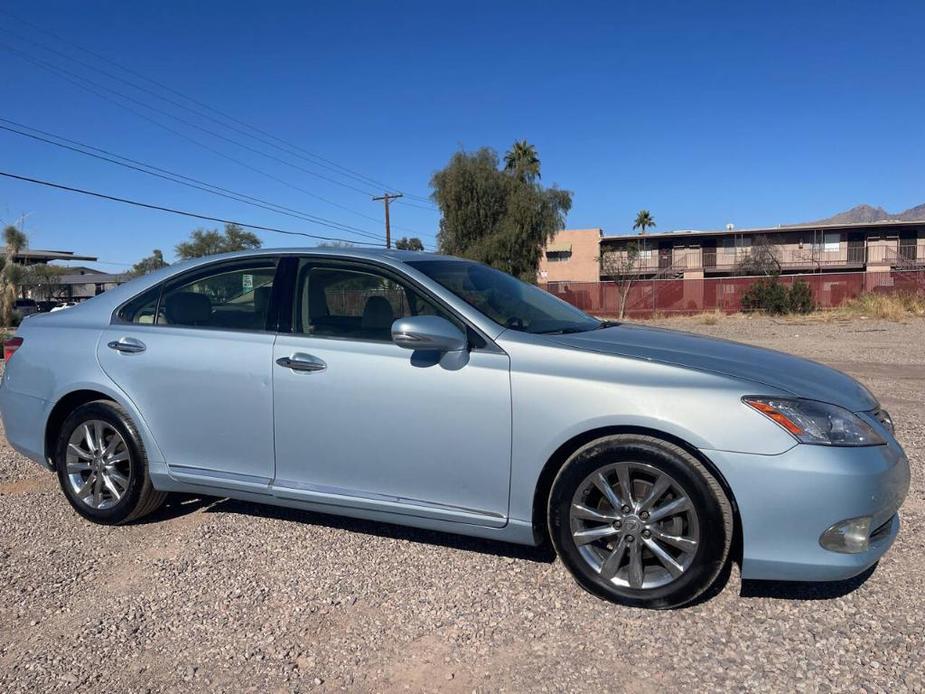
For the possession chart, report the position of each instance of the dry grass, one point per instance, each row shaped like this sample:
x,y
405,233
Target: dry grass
x,y
712,318
895,307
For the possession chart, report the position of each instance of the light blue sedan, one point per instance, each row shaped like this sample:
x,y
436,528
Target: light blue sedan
x,y
439,393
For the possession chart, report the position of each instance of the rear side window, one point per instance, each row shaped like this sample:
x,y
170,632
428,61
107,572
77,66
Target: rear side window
x,y
232,298
142,308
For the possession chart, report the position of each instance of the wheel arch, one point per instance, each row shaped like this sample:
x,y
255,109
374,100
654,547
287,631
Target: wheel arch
x,y
62,408
562,453
83,392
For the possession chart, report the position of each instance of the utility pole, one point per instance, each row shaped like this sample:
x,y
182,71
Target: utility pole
x,y
386,199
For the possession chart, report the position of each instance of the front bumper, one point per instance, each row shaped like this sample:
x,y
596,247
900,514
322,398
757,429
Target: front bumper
x,y
787,501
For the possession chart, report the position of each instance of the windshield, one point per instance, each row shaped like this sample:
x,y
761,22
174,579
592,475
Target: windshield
x,y
506,300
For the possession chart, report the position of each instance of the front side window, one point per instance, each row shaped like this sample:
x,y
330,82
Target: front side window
x,y
353,303
235,298
506,300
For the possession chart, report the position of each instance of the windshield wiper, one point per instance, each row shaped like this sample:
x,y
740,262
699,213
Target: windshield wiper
x,y
563,331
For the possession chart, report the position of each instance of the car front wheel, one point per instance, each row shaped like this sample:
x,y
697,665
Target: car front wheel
x,y
640,521
102,466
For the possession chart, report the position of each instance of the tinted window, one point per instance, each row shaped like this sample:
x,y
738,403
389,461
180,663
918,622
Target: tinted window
x,y
233,298
506,300
344,302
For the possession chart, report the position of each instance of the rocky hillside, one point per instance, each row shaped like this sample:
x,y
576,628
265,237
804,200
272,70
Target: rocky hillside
x,y
863,214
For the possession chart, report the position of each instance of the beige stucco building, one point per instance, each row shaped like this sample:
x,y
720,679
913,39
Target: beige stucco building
x,y
572,256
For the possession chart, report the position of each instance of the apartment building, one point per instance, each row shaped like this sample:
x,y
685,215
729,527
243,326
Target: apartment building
x,y
873,247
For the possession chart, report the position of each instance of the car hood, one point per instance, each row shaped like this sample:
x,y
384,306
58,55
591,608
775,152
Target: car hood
x,y
777,370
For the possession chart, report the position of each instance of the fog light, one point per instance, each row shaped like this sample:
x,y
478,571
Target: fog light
x,y
848,536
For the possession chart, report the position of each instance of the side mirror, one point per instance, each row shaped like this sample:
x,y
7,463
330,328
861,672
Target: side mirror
x,y
428,333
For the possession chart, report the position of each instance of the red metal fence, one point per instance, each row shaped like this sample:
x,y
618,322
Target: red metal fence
x,y
678,296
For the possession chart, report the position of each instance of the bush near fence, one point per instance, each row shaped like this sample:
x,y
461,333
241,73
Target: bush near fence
x,y
649,297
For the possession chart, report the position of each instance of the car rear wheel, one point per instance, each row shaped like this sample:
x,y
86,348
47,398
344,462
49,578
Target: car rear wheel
x,y
640,521
102,466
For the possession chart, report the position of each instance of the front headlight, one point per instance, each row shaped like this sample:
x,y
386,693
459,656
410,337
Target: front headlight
x,y
820,423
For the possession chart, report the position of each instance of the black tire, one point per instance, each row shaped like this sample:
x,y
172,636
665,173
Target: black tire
x,y
140,498
712,507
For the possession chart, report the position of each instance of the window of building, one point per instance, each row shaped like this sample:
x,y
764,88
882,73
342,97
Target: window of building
x,y
558,252
829,241
558,256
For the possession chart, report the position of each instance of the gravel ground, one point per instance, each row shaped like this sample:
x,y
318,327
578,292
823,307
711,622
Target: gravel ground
x,y
228,596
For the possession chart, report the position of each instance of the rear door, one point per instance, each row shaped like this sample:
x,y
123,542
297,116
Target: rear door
x,y
195,357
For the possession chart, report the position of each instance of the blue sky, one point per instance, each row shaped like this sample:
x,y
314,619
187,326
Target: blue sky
x,y
703,113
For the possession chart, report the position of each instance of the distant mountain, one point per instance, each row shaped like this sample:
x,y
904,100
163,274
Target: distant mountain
x,y
865,214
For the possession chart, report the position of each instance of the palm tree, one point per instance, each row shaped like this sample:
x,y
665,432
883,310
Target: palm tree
x,y
13,241
522,161
643,221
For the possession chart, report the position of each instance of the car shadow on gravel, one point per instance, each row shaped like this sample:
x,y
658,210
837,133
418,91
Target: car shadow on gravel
x,y
800,590
543,554
176,506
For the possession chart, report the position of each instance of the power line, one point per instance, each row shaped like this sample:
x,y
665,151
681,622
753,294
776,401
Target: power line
x,y
288,148
77,81
57,68
420,207
187,181
332,165
171,210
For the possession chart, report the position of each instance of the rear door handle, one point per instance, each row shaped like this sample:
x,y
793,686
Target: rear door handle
x,y
127,345
302,362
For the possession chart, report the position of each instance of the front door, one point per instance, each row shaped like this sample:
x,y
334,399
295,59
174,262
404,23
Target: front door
x,y
908,241
664,255
196,359
364,423
855,248
709,254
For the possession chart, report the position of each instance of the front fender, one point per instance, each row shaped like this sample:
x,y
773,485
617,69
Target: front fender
x,y
559,394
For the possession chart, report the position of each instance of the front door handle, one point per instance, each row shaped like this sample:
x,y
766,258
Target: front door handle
x,y
302,362
127,345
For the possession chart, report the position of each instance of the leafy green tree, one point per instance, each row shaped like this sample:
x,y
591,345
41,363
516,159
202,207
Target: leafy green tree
x,y
643,221
43,281
211,241
522,161
153,262
412,244
489,215
767,294
12,275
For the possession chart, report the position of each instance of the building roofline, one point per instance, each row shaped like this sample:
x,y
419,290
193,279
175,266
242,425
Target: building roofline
x,y
51,255
766,230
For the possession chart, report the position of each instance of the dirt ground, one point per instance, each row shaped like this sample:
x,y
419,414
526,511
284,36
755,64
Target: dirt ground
x,y
229,596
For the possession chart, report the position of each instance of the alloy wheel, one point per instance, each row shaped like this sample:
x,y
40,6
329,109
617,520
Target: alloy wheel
x,y
98,464
634,525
